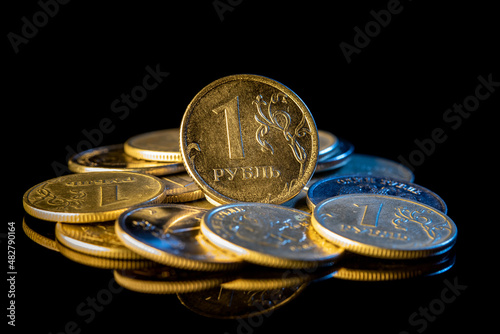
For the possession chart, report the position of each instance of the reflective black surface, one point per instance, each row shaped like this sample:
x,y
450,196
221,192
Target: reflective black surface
x,y
91,75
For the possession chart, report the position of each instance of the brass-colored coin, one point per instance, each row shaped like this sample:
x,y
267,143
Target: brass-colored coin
x,y
113,158
91,197
181,188
247,138
102,262
223,303
167,280
268,235
97,239
41,232
382,226
327,143
170,234
160,145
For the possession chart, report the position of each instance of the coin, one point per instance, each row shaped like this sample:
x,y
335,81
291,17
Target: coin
x,y
181,188
114,158
337,158
91,197
355,184
249,138
160,145
40,231
327,143
167,280
170,234
375,166
384,226
97,239
267,234
223,303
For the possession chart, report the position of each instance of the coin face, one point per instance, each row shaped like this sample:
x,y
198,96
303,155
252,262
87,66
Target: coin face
x,y
114,158
384,226
91,197
359,184
181,188
248,138
160,145
375,166
170,234
268,235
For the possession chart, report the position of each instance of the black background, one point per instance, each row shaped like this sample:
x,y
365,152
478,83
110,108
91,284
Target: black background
x,y
393,92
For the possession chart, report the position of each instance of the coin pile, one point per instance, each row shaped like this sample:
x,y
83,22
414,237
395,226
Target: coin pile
x,y
245,195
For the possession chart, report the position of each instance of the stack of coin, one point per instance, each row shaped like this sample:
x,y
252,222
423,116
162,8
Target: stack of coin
x,y
246,195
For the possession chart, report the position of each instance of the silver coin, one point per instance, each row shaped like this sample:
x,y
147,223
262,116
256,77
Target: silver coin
x,y
170,234
362,164
359,184
327,143
384,226
337,158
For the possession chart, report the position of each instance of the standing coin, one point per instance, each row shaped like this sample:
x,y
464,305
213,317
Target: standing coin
x,y
170,234
268,235
91,197
249,138
359,184
113,158
160,145
384,226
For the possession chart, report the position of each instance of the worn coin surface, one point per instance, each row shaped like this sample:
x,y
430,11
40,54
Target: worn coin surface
x,y
375,166
249,138
160,145
114,158
268,235
170,234
384,226
91,197
359,184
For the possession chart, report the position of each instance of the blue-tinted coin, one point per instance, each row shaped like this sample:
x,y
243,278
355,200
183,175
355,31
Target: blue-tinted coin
x,y
359,184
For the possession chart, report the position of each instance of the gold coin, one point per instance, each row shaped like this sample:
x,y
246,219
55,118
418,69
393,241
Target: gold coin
x,y
268,235
249,138
91,197
97,239
167,280
102,262
160,145
113,158
40,231
181,188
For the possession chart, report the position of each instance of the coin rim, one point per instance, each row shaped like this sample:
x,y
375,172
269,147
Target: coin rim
x,y
153,155
362,248
215,195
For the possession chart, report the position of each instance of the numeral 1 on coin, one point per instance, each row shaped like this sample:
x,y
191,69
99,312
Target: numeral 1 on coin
x,y
370,215
109,195
231,111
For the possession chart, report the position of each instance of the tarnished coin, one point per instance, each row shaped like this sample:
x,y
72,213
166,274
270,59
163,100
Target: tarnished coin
x,y
359,184
181,188
97,239
223,303
337,158
168,280
249,138
113,158
362,164
160,145
384,226
91,197
327,143
170,234
267,234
